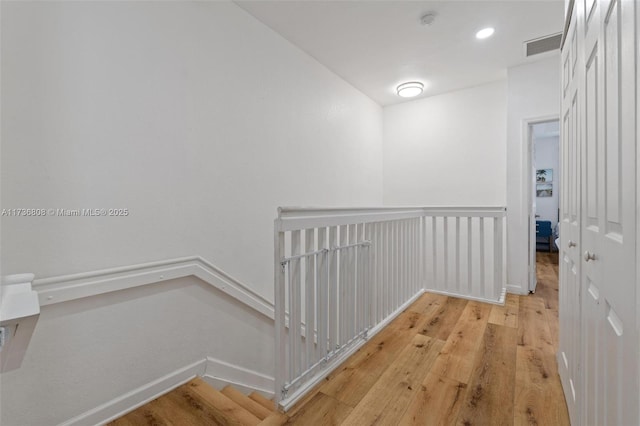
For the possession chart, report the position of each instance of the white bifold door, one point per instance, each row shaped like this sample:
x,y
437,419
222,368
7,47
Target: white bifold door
x,y
598,356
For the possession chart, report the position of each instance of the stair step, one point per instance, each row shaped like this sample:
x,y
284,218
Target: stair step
x,y
247,403
275,419
228,411
267,403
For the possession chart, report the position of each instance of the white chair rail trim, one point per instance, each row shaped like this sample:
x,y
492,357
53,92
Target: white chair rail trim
x,y
70,287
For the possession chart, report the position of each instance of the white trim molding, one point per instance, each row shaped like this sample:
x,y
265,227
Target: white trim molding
x,y
500,301
516,289
70,287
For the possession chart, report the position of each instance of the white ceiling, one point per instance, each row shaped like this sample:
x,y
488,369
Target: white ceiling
x,y
376,45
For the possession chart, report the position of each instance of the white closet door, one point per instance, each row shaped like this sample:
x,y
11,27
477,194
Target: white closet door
x,y
606,379
615,250
593,216
569,295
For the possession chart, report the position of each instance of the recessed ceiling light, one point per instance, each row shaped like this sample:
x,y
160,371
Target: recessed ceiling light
x,y
485,33
410,89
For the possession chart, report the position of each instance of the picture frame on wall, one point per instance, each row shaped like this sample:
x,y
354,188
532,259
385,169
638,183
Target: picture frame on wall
x,y
544,190
544,175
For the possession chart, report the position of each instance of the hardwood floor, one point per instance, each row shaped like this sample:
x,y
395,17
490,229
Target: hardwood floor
x,y
447,361
443,361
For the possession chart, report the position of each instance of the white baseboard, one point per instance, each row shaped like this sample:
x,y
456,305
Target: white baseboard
x,y
516,289
219,374
500,301
131,400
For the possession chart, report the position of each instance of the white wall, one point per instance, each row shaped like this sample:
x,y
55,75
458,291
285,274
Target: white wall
x,y
548,157
533,92
200,121
447,149
194,116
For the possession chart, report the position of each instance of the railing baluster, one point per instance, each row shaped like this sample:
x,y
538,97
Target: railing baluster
x,y
434,251
376,264
483,279
469,255
423,252
310,297
445,255
457,253
351,288
381,247
407,261
360,278
388,256
412,258
280,327
396,264
369,275
402,268
497,256
343,285
322,286
333,289
295,305
418,254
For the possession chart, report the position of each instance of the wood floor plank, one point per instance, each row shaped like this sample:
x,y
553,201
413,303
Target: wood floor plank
x,y
533,329
547,279
551,317
321,410
454,360
437,402
388,399
387,344
275,419
427,303
493,379
539,399
441,321
350,385
506,315
266,403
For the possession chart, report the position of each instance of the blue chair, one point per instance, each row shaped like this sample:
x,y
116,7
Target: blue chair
x,y
544,235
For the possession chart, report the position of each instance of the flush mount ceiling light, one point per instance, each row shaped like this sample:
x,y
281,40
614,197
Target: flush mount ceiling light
x,y
410,89
485,33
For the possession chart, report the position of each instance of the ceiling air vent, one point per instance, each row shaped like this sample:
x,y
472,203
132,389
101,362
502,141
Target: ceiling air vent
x,y
543,44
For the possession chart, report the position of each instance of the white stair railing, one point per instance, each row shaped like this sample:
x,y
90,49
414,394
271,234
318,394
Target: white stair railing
x,y
343,274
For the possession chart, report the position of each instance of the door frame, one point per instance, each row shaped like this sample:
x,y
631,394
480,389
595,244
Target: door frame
x,y
529,193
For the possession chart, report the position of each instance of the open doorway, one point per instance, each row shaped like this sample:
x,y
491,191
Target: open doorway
x,y
544,178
